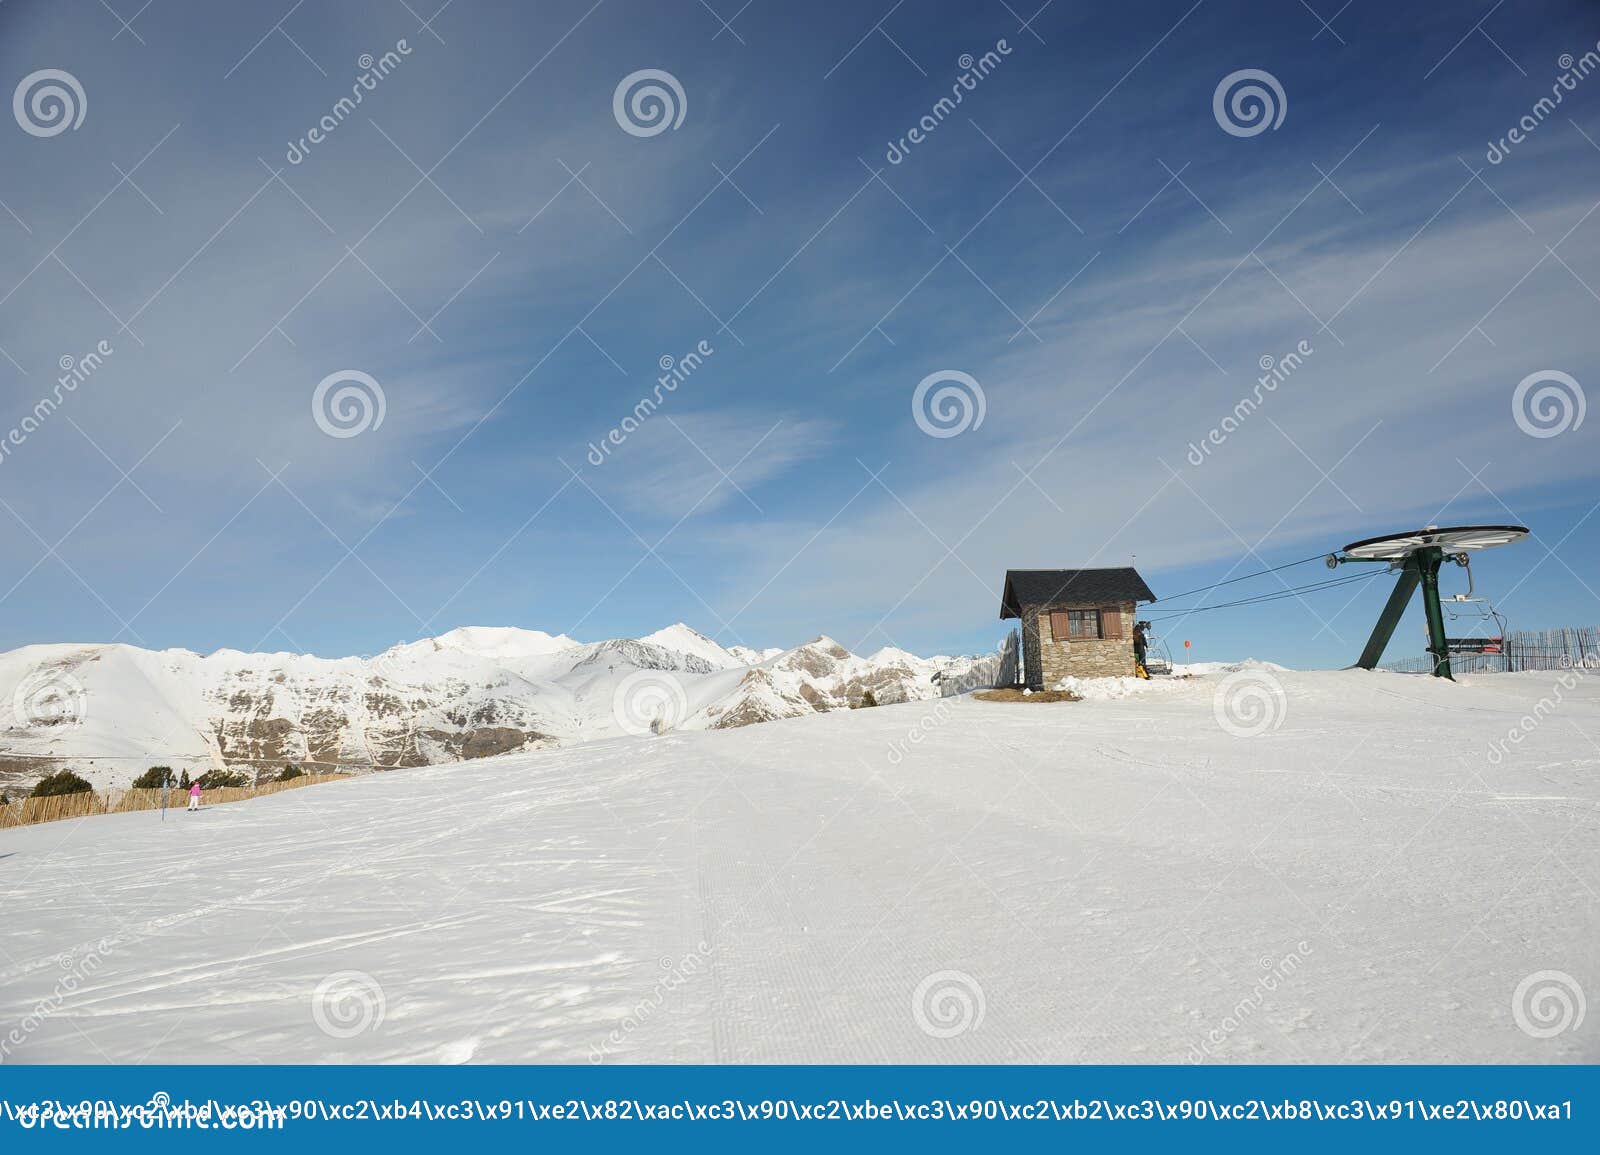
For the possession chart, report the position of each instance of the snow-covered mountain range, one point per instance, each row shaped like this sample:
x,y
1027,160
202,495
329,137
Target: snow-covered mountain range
x,y
110,711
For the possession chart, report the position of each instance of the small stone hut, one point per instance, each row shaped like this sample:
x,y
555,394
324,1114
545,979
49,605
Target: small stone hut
x,y
1075,622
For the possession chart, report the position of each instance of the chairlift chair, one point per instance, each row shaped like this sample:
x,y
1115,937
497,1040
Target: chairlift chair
x,y
1475,611
1157,657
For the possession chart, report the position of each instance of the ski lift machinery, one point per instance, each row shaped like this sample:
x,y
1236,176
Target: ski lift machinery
x,y
1158,657
1418,556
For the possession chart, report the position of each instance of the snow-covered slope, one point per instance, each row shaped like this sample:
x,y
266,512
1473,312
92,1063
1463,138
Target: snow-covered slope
x,y
110,711
686,640
822,675
503,642
1369,869
750,657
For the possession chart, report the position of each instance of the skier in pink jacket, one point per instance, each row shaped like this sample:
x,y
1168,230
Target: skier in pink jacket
x,y
194,796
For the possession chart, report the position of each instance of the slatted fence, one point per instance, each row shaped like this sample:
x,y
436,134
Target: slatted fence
x,y
53,808
998,670
1573,647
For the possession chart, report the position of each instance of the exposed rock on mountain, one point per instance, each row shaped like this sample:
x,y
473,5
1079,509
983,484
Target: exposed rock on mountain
x,y
110,711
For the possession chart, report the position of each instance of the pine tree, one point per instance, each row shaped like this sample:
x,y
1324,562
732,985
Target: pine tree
x,y
153,778
212,779
61,782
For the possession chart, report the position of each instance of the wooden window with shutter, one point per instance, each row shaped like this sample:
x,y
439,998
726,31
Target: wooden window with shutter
x,y
1083,624
1110,622
1086,625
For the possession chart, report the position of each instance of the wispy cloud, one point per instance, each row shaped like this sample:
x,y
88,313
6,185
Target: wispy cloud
x,y
484,240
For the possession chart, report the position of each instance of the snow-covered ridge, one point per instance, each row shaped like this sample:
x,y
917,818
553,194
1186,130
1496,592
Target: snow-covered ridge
x,y
111,711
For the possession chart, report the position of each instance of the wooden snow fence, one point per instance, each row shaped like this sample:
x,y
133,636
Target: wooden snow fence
x,y
28,811
997,671
1571,648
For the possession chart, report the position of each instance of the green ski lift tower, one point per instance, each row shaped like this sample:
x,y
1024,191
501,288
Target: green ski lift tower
x,y
1418,556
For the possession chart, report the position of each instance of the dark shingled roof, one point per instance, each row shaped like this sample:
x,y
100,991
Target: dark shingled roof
x,y
1043,587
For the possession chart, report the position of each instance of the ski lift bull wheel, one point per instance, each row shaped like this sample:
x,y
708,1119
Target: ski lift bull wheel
x,y
1417,555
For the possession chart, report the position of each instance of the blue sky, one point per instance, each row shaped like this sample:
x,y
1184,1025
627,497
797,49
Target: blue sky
x,y
484,240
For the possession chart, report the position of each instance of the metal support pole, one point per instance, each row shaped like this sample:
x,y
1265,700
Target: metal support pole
x,y
1393,609
1428,562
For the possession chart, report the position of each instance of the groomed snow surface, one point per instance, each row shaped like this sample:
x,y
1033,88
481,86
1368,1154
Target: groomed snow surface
x,y
1249,865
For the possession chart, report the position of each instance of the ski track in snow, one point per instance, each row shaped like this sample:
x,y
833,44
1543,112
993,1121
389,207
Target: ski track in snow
x,y
1115,876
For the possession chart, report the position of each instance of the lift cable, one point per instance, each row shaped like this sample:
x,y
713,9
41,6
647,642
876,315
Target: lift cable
x,y
1274,595
1245,577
